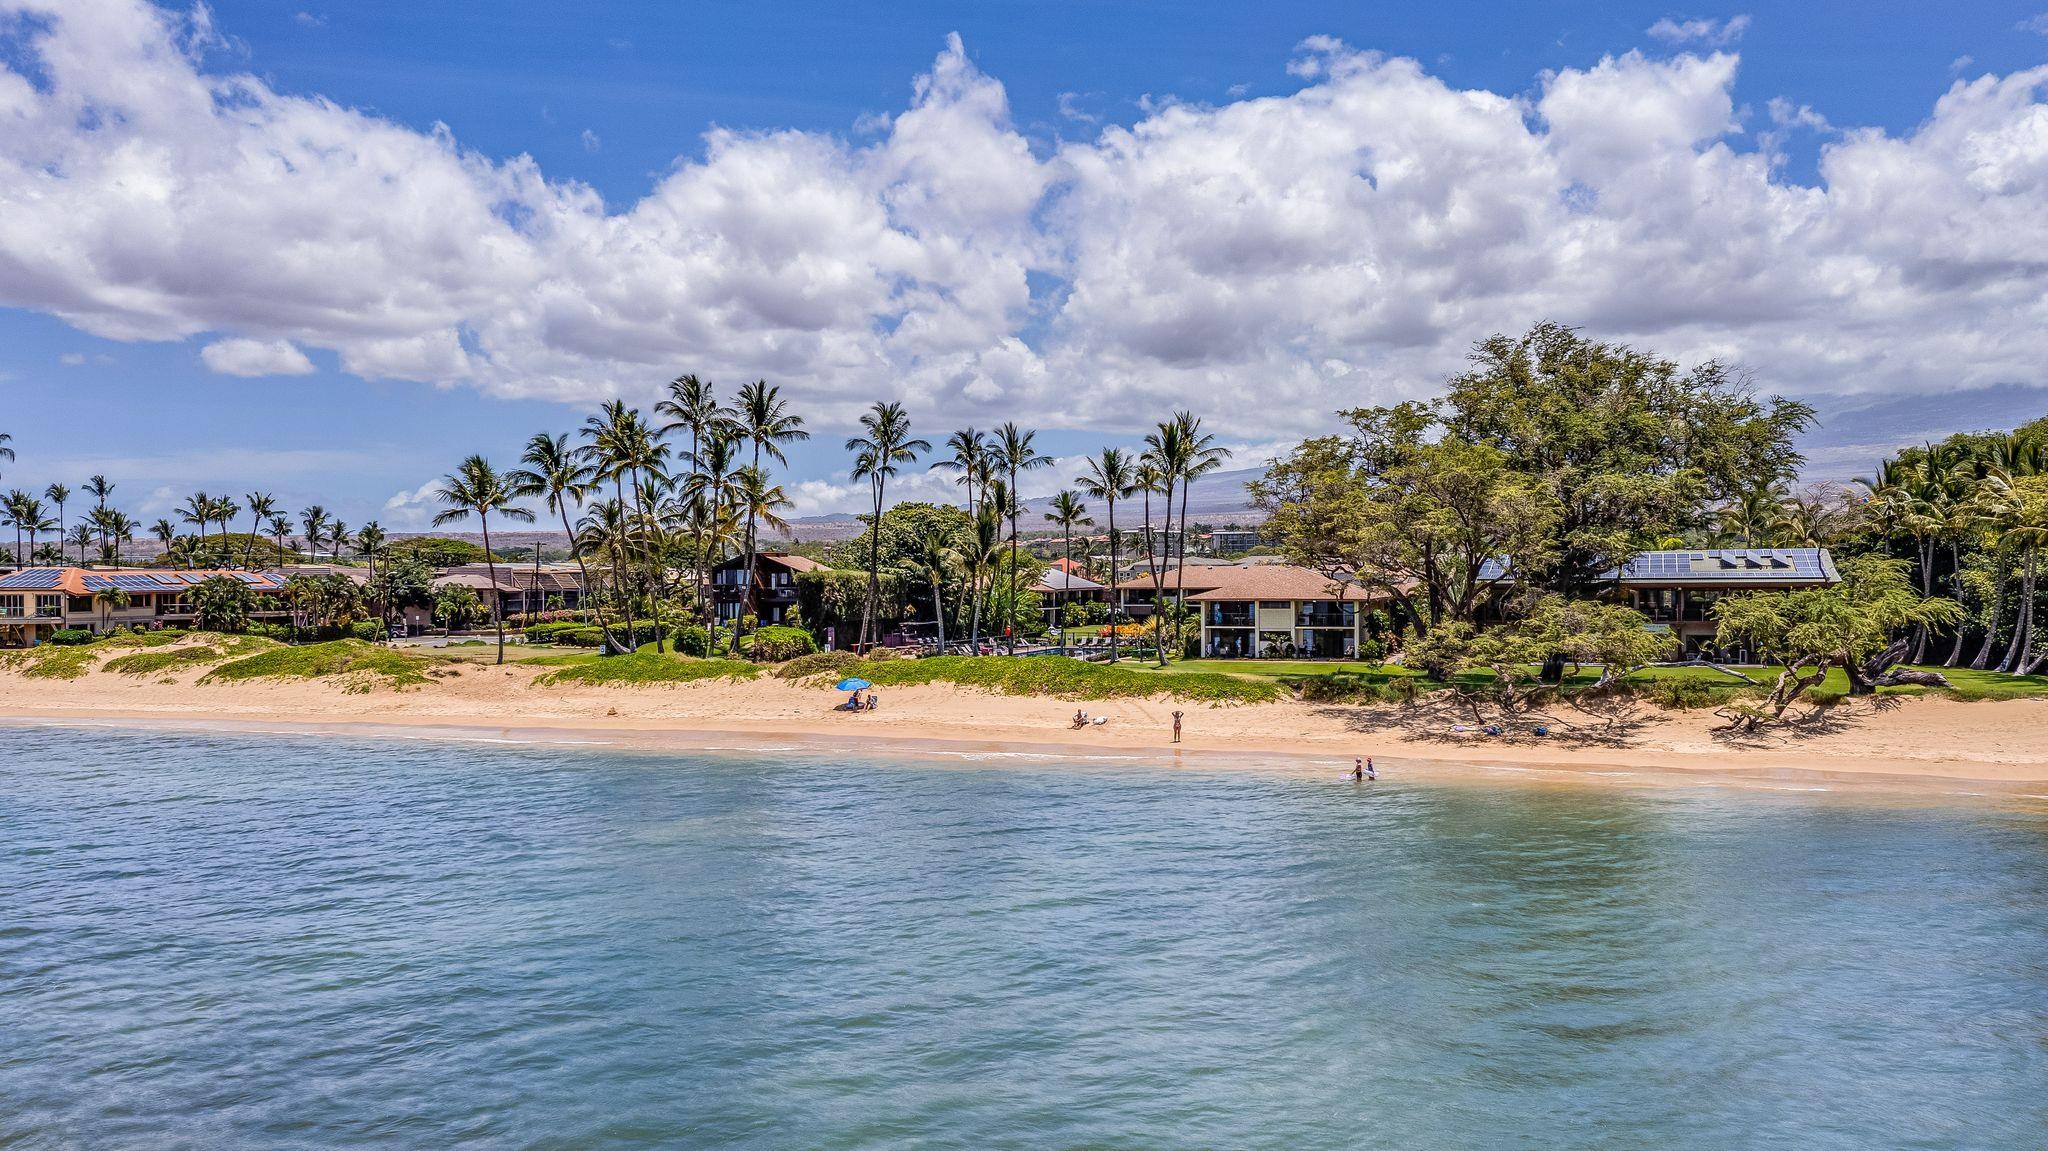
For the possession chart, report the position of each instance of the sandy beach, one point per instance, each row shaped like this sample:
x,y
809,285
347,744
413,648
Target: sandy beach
x,y
1862,743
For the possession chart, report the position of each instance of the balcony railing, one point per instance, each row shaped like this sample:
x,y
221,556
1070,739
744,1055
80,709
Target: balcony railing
x,y
1219,617
1313,617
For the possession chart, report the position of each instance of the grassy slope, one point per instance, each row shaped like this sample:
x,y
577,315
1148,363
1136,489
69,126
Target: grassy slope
x,y
643,667
364,665
1068,678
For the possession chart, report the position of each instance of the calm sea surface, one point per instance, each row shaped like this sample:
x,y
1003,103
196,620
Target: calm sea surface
x,y
279,942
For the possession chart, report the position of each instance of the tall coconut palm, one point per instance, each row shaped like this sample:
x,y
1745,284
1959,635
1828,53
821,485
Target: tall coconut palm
x,y
337,535
622,448
970,458
476,488
933,553
1015,455
165,531
120,530
982,552
885,444
1110,479
197,510
6,453
557,474
370,541
762,504
261,505
35,522
707,496
82,538
60,495
607,530
765,423
1148,478
13,512
99,489
1067,511
313,527
280,527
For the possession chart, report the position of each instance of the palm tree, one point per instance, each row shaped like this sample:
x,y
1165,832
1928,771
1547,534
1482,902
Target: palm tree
x,y
934,555
1067,510
1109,479
280,527
262,505
1014,454
707,494
337,535
888,442
14,507
1147,479
970,458
559,476
984,551
766,423
60,495
621,448
313,523
476,488
1200,456
370,545
109,600
99,489
197,509
762,504
121,530
35,522
81,538
607,529
6,453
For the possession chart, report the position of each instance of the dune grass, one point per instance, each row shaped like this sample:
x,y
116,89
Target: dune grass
x,y
51,661
643,667
364,666
1066,678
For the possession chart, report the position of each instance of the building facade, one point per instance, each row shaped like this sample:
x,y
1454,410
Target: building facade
x,y
774,586
39,600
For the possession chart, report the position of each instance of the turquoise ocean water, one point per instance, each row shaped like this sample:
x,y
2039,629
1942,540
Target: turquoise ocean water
x,y
235,941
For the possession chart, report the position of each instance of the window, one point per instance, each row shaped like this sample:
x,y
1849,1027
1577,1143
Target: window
x,y
81,603
11,605
48,605
1277,604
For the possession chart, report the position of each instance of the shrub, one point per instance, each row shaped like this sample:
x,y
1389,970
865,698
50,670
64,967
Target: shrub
x,y
773,644
833,663
70,636
276,631
1687,694
367,630
693,639
364,666
1066,678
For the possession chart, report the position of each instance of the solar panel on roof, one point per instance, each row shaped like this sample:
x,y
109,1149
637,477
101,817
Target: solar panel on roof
x,y
31,578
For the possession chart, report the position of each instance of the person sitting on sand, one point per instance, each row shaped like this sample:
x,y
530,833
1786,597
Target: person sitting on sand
x,y
1080,718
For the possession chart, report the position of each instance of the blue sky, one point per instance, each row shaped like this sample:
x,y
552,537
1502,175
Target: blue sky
x,y
1015,251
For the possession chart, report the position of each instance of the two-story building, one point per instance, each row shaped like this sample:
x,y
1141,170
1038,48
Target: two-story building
x,y
774,585
37,601
1280,611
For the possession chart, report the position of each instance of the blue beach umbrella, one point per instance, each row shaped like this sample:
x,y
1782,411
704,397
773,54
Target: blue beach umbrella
x,y
852,685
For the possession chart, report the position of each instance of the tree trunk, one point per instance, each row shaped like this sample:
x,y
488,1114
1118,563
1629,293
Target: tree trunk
x,y
1010,625
867,610
2022,647
1112,579
491,565
1991,629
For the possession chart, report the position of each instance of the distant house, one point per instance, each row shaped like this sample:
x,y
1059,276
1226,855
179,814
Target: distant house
x,y
1280,610
1059,587
773,580
521,588
1224,540
37,601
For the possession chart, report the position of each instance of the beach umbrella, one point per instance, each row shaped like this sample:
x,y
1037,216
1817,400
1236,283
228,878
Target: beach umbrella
x,y
855,684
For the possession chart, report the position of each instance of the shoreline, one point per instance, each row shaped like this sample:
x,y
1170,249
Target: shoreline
x,y
1986,749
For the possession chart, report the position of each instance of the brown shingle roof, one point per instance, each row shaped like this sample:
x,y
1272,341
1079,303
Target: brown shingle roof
x,y
794,563
1281,581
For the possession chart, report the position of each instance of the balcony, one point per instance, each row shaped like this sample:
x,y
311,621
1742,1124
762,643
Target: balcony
x,y
1326,615
1229,615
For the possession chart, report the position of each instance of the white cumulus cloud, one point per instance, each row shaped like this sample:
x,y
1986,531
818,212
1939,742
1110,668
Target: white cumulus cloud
x,y
1263,260
238,356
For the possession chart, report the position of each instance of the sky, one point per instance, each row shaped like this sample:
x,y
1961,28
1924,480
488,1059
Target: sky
x,y
328,249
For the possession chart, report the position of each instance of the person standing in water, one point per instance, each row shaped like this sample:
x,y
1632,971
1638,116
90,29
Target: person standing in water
x,y
1369,772
1358,771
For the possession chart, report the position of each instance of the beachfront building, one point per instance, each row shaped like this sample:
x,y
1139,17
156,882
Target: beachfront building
x,y
1280,611
37,601
1677,589
521,588
774,584
1058,587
